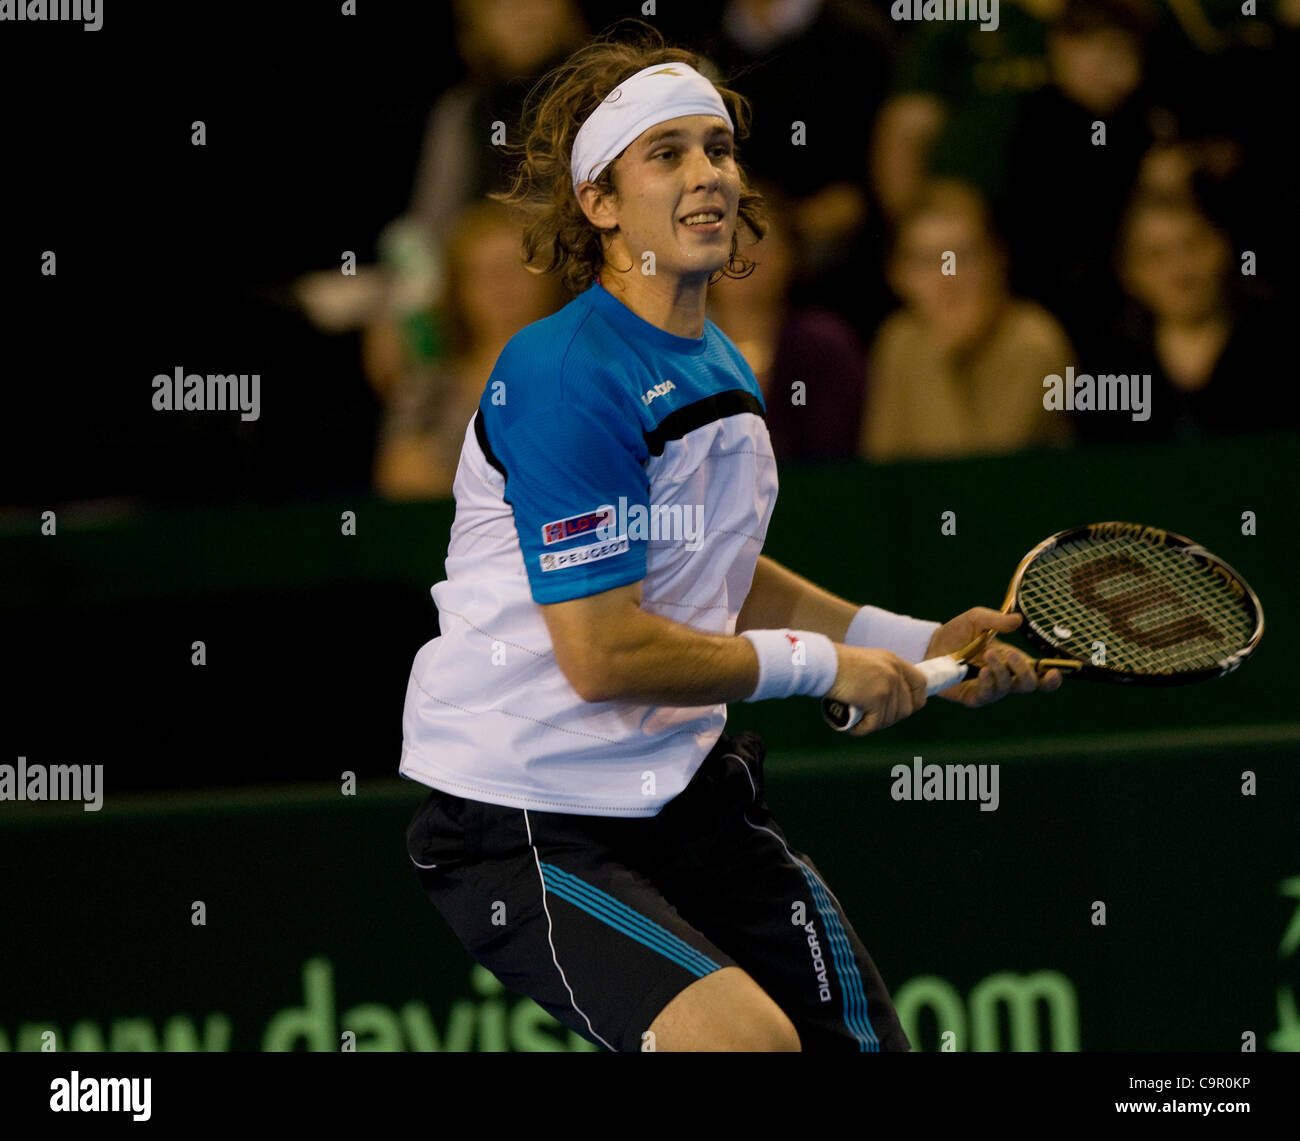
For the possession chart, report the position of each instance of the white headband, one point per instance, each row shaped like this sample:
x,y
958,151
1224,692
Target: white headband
x,y
653,95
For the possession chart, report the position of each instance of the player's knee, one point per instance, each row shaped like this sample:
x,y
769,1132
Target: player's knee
x,y
759,1027
779,1034
726,1010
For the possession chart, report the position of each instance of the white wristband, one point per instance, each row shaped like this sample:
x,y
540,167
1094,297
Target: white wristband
x,y
876,629
793,662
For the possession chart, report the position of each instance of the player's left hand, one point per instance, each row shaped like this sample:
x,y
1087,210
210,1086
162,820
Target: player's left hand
x,y
1004,669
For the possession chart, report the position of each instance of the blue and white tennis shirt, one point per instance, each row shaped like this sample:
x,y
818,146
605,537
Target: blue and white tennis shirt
x,y
605,451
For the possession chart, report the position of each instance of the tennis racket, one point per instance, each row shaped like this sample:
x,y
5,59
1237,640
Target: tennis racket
x,y
1116,602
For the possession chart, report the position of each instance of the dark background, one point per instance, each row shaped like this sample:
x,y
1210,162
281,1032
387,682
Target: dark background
x,y
176,530
174,254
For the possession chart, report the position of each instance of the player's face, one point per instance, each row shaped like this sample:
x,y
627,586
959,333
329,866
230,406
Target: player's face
x,y
677,170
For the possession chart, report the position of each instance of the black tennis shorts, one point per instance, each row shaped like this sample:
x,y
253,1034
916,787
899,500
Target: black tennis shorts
x,y
603,920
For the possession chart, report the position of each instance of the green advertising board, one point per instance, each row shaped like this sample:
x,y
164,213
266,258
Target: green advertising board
x,y
1136,894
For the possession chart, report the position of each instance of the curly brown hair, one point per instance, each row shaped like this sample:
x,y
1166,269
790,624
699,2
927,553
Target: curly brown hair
x,y
556,231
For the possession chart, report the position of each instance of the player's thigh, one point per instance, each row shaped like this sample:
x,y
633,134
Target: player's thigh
x,y
726,1010
542,902
766,902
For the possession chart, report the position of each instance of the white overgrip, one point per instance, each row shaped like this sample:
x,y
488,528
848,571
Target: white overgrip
x,y
940,673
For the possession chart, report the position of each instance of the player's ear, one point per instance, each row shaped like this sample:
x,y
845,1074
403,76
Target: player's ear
x,y
598,205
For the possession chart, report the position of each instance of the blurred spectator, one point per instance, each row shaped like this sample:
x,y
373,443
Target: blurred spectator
x,y
1213,353
1220,73
506,45
954,100
1211,53
959,369
1066,185
816,72
807,360
490,296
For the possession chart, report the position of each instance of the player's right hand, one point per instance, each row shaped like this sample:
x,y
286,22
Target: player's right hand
x,y
879,682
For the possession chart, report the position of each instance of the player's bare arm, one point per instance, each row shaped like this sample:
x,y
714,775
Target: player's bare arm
x,y
610,649
781,598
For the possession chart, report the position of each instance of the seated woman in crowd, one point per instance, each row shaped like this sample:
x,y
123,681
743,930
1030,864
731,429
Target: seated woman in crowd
x,y
488,297
1213,353
959,369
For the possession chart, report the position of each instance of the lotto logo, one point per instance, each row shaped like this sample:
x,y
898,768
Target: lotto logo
x,y
562,529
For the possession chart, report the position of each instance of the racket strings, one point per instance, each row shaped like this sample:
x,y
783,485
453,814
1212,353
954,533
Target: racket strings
x,y
1153,608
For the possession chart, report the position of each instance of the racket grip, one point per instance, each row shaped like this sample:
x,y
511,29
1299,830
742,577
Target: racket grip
x,y
940,673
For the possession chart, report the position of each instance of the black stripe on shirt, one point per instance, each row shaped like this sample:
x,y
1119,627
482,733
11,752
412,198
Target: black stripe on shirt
x,y
716,407
480,434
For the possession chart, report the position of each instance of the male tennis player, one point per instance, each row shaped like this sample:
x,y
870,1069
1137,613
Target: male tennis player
x,y
592,837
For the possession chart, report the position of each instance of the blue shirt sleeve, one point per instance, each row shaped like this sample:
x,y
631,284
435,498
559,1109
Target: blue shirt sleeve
x,y
567,467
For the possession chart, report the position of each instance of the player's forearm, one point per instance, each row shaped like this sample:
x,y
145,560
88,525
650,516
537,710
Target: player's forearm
x,y
654,660
780,599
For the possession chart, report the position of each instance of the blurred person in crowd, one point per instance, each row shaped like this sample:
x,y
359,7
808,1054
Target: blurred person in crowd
x,y
505,45
959,369
1212,351
816,73
954,99
489,297
807,360
1066,182
1224,73
1213,51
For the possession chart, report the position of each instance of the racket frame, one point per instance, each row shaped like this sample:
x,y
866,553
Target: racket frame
x,y
1156,535
838,715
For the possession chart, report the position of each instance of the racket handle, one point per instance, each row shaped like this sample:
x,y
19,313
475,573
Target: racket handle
x,y
940,673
